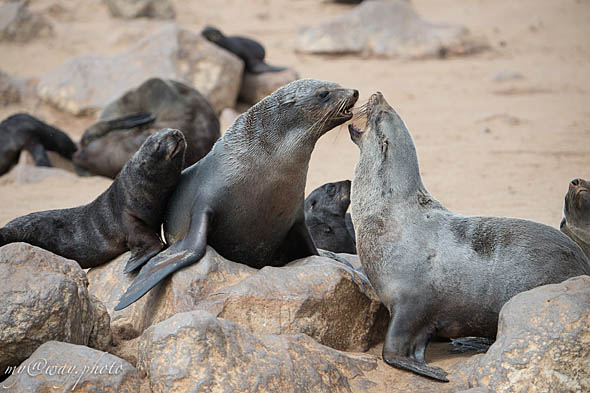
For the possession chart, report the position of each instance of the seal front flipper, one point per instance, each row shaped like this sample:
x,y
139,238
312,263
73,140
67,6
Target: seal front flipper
x,y
39,153
406,340
182,253
138,258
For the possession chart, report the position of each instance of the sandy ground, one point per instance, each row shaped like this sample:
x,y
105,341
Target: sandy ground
x,y
490,148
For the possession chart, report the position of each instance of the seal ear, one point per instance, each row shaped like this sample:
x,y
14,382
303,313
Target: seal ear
x,y
384,145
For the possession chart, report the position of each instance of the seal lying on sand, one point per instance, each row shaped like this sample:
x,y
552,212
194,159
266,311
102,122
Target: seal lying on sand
x,y
576,212
127,216
439,273
325,217
250,51
125,123
25,132
245,198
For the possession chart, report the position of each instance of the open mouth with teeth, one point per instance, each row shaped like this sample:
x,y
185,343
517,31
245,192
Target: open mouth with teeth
x,y
345,113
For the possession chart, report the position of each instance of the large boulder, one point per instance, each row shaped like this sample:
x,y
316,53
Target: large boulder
x,y
44,297
88,83
386,28
197,352
19,24
57,367
129,9
543,342
316,296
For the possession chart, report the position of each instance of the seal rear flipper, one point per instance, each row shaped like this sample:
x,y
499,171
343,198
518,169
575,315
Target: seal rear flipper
x,y
132,120
261,67
39,154
417,367
183,253
466,344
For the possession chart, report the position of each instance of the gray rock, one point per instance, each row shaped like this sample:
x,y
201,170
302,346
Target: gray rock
x,y
257,86
12,89
19,24
60,367
543,342
197,352
128,9
44,297
88,83
386,28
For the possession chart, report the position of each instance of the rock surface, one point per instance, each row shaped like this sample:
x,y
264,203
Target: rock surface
x,y
211,354
543,342
128,9
19,24
87,83
386,28
316,296
257,86
60,367
44,297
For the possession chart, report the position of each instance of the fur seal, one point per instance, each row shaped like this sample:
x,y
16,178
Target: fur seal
x,y
125,123
127,216
576,214
250,51
245,198
325,217
439,273
25,132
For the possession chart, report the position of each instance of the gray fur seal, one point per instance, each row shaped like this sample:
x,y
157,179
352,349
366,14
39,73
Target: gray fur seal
x,y
125,124
250,51
439,273
25,132
127,216
576,214
245,198
325,217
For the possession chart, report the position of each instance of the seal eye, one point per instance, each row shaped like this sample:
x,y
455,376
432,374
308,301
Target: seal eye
x,y
323,94
331,190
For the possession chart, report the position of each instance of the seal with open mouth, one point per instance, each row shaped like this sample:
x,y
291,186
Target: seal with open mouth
x,y
245,198
439,273
127,216
576,214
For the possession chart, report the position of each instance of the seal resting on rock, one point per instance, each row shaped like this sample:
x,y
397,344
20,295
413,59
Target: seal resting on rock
x,y
125,124
25,132
439,273
250,51
325,217
127,216
245,198
576,214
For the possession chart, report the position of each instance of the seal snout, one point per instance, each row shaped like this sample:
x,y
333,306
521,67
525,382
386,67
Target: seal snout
x,y
173,141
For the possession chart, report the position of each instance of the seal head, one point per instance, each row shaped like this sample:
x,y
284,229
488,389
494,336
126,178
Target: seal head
x,y
576,212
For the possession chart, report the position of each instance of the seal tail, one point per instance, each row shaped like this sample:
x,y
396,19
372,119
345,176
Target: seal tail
x,y
183,253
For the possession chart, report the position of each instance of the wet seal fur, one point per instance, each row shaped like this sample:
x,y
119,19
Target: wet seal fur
x,y
25,132
250,51
127,216
326,217
245,198
576,214
439,273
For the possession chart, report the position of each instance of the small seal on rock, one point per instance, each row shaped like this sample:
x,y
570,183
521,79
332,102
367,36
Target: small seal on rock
x,y
245,198
25,132
250,51
125,123
325,217
576,214
127,216
439,273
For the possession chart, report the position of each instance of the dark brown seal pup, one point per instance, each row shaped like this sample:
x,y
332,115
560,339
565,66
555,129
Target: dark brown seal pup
x,y
325,217
125,123
250,51
245,198
127,216
25,132
439,273
576,214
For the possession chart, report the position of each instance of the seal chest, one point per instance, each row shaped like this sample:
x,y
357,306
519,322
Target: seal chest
x,y
437,272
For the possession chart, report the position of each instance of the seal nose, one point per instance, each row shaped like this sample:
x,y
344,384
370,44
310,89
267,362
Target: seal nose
x,y
575,182
355,93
